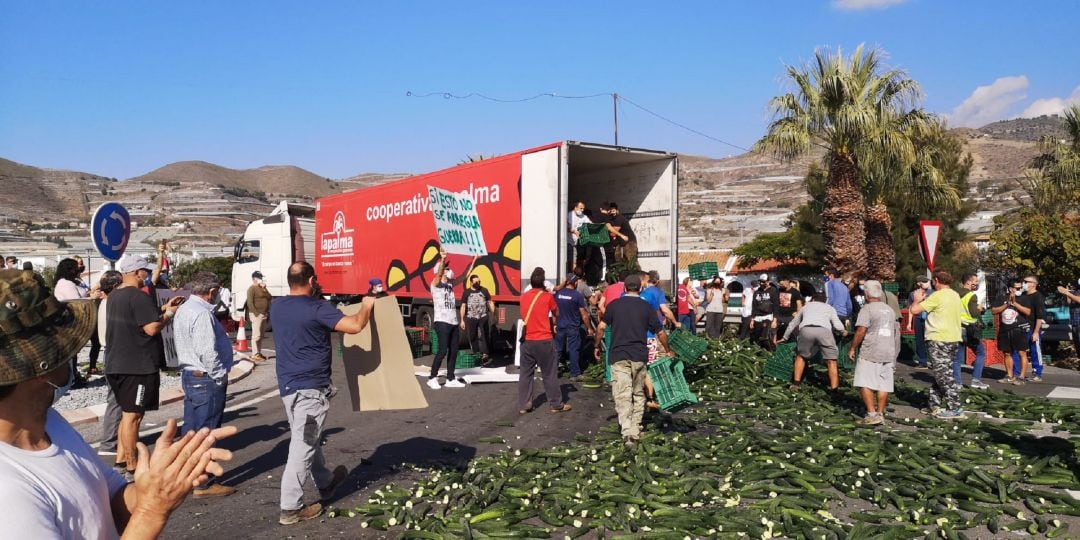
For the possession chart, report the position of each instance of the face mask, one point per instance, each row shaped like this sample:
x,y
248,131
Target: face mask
x,y
61,391
860,287
1026,287
378,289
825,278
476,286
579,213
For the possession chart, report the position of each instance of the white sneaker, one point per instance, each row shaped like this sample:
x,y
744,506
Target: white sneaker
x,y
979,385
454,383
433,383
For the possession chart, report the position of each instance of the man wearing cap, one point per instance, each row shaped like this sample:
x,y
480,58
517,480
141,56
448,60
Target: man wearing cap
x,y
304,322
376,289
54,485
877,340
135,354
765,313
257,308
815,323
631,320
205,356
572,314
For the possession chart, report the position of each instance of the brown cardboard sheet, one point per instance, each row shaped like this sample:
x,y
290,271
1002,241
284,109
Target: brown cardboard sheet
x,y
378,362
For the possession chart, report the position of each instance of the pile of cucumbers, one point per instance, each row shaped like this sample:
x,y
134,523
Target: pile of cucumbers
x,y
756,460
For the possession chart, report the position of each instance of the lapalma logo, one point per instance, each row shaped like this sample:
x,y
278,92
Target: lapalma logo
x,y
338,242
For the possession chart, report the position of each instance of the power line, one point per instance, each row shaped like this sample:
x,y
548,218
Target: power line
x,y
449,95
687,128
617,97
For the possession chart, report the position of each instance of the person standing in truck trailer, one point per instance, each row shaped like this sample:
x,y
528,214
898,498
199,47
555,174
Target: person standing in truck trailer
x,y
257,309
575,254
622,236
446,322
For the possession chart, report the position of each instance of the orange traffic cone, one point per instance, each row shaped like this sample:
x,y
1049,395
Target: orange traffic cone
x,y
241,337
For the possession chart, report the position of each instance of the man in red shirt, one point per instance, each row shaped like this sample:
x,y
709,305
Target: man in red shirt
x,y
686,306
538,346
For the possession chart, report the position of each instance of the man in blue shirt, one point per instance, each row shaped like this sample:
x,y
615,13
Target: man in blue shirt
x,y
572,314
837,295
302,324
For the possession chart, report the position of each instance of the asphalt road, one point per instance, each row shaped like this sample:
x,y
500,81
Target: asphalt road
x,y
373,445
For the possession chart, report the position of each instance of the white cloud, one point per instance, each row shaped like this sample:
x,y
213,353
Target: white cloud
x,y
1054,105
859,5
990,103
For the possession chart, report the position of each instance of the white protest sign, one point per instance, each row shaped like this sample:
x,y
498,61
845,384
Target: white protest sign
x,y
456,222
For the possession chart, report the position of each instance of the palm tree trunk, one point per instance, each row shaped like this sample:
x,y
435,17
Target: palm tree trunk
x,y
843,220
880,254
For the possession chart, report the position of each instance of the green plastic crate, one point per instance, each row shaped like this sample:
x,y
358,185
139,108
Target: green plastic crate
x,y
781,364
593,234
844,346
891,286
703,270
607,348
989,332
416,341
688,347
672,391
468,359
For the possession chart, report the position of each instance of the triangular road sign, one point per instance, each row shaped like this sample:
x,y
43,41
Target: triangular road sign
x,y
929,233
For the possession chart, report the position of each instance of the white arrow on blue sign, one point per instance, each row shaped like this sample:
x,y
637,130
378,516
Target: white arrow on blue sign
x,y
110,229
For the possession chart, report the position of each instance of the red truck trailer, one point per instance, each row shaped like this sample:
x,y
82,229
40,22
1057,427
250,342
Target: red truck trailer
x,y
522,200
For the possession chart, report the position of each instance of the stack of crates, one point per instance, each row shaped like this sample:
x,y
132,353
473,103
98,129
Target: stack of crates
x,y
672,391
703,270
781,365
416,341
688,347
593,234
464,360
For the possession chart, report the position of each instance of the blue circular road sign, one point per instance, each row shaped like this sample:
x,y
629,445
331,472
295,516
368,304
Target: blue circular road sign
x,y
110,229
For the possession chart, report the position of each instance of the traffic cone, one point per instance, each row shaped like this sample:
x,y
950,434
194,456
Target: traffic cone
x,y
241,337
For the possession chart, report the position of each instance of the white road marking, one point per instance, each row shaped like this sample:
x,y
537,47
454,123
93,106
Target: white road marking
x,y
1065,392
180,422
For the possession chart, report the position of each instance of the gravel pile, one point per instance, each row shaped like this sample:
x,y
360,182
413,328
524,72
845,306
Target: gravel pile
x,y
97,390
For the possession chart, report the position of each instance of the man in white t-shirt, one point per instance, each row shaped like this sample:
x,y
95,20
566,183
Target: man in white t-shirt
x,y
54,485
575,254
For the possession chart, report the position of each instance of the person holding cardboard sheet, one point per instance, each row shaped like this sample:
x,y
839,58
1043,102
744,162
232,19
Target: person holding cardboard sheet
x,y
304,321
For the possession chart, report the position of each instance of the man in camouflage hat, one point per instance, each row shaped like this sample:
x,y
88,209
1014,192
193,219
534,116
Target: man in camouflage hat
x,y
54,485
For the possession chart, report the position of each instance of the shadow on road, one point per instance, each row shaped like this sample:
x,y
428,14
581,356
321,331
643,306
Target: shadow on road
x,y
388,459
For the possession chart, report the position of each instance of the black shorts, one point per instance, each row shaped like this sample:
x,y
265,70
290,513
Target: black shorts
x,y
1015,340
135,393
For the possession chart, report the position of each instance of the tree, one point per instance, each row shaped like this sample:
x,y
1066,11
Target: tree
x,y
783,247
865,118
222,266
1043,236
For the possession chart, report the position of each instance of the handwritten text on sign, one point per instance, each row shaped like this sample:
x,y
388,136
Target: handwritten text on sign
x,y
456,222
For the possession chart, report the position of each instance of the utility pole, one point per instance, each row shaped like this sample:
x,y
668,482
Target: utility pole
x,y
615,104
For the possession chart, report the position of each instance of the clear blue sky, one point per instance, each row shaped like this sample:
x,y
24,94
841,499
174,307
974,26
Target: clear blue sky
x,y
120,88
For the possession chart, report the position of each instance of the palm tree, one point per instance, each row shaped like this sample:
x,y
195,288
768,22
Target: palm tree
x,y
865,119
923,188
1054,182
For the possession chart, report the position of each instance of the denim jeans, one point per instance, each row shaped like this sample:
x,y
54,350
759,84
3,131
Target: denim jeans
x,y
961,359
204,403
568,340
687,322
920,340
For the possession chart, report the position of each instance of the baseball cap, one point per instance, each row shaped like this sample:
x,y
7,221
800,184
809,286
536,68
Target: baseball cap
x,y
872,289
257,274
572,277
38,333
374,281
131,263
763,277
